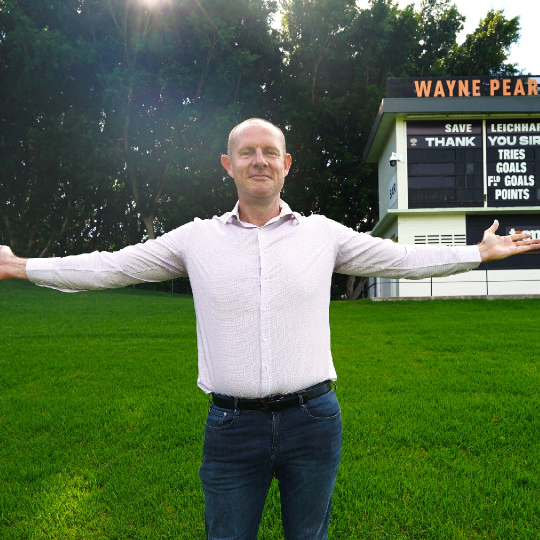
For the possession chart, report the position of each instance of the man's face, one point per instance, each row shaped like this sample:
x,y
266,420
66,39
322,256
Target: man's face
x,y
258,162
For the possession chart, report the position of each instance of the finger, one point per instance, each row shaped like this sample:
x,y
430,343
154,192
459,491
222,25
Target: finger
x,y
527,247
494,227
519,237
526,241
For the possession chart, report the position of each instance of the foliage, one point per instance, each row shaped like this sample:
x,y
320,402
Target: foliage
x,y
114,112
478,55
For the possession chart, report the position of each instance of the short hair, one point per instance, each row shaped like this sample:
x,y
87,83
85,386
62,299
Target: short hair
x,y
253,121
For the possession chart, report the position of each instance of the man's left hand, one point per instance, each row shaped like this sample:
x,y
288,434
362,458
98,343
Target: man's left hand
x,y
494,247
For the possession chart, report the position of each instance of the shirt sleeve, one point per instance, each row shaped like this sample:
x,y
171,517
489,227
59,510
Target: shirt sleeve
x,y
361,254
155,260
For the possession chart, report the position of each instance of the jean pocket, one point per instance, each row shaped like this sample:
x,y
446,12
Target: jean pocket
x,y
219,418
325,407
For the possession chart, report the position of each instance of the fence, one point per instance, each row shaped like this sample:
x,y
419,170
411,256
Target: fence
x,y
476,283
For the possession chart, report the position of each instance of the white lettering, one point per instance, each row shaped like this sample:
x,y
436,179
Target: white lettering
x,y
506,167
511,194
531,140
514,153
450,141
458,128
535,233
514,128
518,180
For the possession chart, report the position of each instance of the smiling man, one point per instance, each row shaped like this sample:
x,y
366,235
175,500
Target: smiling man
x,y
258,162
261,284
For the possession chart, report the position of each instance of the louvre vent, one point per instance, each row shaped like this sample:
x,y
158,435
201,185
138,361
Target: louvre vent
x,y
444,239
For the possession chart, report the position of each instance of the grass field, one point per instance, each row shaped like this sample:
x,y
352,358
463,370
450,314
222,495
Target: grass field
x,y
101,421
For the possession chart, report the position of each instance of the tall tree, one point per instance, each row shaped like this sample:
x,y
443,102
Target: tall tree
x,y
49,148
485,51
439,24
175,77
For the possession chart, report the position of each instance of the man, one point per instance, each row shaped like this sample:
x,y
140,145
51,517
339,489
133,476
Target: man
x,y
261,282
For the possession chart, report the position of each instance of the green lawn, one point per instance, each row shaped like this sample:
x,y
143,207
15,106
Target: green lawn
x,y
101,421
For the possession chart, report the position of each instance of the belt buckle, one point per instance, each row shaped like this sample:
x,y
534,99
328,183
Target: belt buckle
x,y
262,403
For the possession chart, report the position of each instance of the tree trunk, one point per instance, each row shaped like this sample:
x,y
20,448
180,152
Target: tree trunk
x,y
149,224
353,293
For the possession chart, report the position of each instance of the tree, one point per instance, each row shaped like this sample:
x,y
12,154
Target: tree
x,y
110,108
439,24
175,79
114,112
485,51
50,149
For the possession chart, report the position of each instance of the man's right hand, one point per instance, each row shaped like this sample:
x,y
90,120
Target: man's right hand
x,y
11,267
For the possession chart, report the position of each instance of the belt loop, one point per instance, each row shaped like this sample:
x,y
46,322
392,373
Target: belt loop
x,y
235,404
300,400
333,383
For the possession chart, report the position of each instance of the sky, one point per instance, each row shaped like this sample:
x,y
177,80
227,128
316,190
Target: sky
x,y
525,53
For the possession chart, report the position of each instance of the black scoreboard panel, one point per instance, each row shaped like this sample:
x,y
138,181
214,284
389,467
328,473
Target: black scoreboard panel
x,y
446,167
445,164
508,224
513,162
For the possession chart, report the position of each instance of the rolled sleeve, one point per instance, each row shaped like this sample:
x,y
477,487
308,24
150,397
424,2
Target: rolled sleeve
x,y
155,260
363,255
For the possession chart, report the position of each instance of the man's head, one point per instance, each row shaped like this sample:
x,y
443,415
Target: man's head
x,y
230,142
257,161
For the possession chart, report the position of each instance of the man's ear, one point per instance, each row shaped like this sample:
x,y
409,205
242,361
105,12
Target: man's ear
x,y
226,162
287,162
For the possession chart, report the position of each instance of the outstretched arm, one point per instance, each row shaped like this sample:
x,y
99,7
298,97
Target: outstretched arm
x,y
11,267
494,247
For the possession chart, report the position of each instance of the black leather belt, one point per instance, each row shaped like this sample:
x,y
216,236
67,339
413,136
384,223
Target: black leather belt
x,y
272,403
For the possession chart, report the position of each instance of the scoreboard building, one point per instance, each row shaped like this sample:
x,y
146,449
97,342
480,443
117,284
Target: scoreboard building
x,y
454,154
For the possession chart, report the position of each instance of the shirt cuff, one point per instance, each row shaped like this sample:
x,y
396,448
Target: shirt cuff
x,y
40,271
470,255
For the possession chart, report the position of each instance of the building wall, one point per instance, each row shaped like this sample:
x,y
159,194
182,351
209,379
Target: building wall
x,y
401,144
474,283
390,176
387,176
435,229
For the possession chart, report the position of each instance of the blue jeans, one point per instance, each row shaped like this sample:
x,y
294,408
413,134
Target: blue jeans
x,y
244,450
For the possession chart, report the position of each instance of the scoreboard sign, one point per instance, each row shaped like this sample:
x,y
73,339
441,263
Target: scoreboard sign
x,y
508,224
446,165
513,163
462,87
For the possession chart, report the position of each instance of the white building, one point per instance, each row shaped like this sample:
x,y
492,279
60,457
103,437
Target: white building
x,y
455,155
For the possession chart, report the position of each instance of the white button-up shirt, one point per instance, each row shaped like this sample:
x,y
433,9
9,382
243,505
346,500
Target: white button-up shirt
x,y
261,293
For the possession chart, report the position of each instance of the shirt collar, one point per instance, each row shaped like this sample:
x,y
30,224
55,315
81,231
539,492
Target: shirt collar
x,y
285,213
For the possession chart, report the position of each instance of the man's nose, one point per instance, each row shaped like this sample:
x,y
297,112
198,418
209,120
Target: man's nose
x,y
259,159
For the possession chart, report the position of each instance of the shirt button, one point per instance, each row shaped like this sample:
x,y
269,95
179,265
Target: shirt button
x,y
265,339
264,309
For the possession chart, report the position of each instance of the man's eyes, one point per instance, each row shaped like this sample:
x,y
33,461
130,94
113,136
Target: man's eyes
x,y
271,153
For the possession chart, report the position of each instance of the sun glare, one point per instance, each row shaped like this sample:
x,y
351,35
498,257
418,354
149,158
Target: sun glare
x,y
150,4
